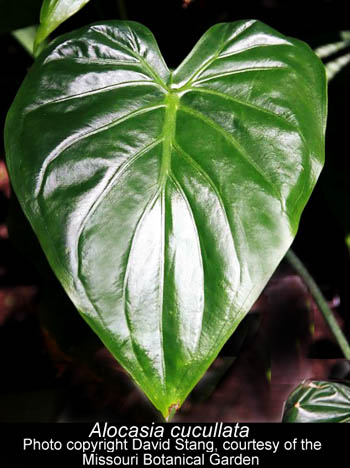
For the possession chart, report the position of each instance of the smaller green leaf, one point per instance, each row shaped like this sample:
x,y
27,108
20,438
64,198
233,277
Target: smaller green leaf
x,y
334,66
26,37
317,401
52,14
327,50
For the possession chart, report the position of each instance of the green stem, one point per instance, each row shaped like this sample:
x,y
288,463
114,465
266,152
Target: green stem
x,y
320,302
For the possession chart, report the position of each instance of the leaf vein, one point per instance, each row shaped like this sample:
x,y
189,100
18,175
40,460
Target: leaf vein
x,y
198,244
243,70
111,183
71,141
206,176
92,92
98,61
143,62
247,104
245,49
211,123
212,59
145,212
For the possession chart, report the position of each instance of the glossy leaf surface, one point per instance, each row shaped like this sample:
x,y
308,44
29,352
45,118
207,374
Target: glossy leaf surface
x,y
164,201
318,401
53,13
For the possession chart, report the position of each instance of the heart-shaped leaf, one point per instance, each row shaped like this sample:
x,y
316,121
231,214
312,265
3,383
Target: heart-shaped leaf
x,y
164,201
317,401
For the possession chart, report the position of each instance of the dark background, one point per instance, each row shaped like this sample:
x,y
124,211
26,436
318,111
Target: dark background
x,y
53,368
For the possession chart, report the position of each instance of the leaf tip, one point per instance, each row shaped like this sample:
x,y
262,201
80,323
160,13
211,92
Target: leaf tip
x,y
171,411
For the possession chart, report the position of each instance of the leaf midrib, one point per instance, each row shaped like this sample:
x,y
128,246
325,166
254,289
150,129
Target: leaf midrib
x,y
169,128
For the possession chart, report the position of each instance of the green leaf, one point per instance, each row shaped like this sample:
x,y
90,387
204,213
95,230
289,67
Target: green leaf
x,y
327,50
335,183
25,37
336,65
52,14
333,67
164,201
317,401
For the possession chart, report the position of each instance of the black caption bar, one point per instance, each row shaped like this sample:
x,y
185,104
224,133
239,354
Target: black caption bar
x,y
173,444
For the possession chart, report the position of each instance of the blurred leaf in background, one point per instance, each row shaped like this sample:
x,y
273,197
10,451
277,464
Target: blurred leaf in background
x,y
338,62
335,177
26,36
